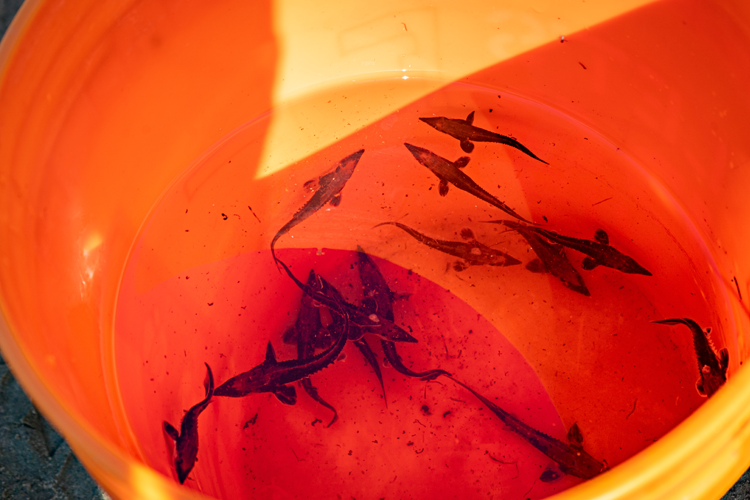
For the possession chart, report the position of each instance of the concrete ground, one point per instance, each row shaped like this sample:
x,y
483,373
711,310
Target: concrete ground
x,y
36,463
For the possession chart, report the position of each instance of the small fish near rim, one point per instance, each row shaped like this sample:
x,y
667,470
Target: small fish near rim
x,y
329,190
186,440
450,173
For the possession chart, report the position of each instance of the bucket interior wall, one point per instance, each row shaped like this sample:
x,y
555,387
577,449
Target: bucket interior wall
x,y
104,106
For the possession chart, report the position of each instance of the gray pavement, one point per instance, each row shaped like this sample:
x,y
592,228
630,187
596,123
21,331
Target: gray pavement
x,y
36,463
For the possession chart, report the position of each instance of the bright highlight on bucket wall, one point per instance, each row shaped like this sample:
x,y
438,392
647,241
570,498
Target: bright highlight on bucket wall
x,y
174,141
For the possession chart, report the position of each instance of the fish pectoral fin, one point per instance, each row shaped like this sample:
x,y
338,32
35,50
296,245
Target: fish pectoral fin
x,y
286,394
336,200
536,266
575,438
724,360
550,475
589,263
462,162
208,382
467,146
171,431
443,188
270,354
470,118
601,236
699,387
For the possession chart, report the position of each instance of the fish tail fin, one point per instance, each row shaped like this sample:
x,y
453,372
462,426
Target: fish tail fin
x,y
312,391
273,254
208,383
334,419
385,224
433,374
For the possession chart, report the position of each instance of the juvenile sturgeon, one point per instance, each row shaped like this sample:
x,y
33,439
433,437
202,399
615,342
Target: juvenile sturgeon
x,y
272,375
471,252
466,132
712,367
186,441
599,252
379,298
551,257
571,458
450,173
329,190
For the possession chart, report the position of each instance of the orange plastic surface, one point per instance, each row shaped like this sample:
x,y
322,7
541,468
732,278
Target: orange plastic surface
x,y
105,104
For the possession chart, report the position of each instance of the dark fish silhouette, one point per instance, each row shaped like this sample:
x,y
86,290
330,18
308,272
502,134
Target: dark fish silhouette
x,y
466,132
372,360
329,191
186,441
713,368
356,335
379,299
307,328
472,252
450,173
552,258
571,458
371,323
272,375
599,252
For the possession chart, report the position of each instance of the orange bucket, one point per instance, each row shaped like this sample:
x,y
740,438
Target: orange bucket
x,y
151,151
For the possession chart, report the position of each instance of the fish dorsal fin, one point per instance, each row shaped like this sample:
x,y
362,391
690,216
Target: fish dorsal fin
x,y
575,438
601,236
470,118
270,354
171,431
461,162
